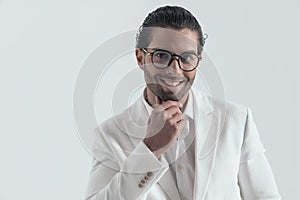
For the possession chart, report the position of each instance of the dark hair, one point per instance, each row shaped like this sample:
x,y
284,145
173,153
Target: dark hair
x,y
173,17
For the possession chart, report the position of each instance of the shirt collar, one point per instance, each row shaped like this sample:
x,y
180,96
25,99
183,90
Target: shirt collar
x,y
188,111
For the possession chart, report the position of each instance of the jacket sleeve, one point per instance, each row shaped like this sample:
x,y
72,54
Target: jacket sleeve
x,y
131,179
255,177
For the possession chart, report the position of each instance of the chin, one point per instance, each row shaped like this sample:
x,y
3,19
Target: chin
x,y
159,91
170,96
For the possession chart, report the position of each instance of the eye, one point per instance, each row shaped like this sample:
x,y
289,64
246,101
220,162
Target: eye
x,y
161,55
187,58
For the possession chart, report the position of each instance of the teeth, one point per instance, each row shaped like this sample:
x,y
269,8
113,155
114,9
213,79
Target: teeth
x,y
171,83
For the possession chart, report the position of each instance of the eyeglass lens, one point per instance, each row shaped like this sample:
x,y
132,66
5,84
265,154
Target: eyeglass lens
x,y
162,59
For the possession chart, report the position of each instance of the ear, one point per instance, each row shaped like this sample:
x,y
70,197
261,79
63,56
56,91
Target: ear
x,y
140,57
200,55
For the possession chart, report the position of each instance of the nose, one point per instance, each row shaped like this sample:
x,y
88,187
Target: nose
x,y
174,65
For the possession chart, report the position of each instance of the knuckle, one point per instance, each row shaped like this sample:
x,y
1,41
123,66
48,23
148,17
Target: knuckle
x,y
156,109
165,115
176,127
170,103
172,123
169,122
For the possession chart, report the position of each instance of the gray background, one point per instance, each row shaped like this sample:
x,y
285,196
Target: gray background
x,y
43,44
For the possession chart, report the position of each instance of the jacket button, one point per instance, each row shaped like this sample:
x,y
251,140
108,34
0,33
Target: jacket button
x,y
146,177
140,185
149,174
143,181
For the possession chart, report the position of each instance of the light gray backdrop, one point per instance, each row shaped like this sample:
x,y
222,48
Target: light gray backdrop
x,y
43,44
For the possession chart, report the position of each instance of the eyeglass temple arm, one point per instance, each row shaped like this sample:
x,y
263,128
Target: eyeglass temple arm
x,y
146,51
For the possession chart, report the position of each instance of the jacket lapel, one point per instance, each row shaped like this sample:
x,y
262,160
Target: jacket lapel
x,y
208,121
167,182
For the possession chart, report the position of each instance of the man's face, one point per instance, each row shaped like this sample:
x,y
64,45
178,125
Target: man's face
x,y
170,83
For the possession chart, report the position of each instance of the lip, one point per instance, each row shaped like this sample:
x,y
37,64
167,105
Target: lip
x,y
171,83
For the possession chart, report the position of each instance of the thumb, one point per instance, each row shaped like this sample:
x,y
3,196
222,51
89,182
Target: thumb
x,y
157,100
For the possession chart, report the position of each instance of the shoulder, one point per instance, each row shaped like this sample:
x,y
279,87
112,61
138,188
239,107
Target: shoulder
x,y
112,124
131,121
216,104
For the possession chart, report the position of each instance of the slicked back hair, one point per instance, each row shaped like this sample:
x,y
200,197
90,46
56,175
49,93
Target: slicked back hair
x,y
173,17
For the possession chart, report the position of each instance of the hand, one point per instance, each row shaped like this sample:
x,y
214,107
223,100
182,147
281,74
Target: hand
x,y
164,126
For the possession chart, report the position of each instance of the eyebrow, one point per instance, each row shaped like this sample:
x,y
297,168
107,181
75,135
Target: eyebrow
x,y
188,51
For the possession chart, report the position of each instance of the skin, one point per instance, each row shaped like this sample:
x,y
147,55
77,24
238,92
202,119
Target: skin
x,y
166,120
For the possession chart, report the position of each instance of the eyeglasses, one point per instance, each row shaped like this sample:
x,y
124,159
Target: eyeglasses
x,y
162,58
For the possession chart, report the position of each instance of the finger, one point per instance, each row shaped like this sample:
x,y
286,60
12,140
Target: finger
x,y
172,111
168,104
181,124
157,103
175,119
157,100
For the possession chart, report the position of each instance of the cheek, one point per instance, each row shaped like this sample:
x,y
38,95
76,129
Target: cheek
x,y
150,73
148,60
151,70
190,75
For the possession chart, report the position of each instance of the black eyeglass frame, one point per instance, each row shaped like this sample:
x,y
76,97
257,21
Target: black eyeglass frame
x,y
172,58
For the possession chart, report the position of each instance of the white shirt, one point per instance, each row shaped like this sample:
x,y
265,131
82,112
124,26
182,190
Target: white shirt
x,y
181,154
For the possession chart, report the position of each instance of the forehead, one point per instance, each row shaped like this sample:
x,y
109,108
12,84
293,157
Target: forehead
x,y
177,41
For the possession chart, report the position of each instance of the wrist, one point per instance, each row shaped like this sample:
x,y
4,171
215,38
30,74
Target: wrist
x,y
156,152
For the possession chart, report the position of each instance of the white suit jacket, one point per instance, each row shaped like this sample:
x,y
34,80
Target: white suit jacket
x,y
229,157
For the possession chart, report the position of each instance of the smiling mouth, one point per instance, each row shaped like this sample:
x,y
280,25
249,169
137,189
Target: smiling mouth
x,y
171,83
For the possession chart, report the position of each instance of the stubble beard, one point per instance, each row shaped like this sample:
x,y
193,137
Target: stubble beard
x,y
154,85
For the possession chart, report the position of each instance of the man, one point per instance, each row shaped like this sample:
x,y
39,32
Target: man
x,y
174,142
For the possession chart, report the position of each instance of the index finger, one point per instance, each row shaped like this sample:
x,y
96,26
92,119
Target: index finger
x,y
167,104
157,100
